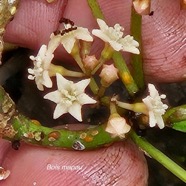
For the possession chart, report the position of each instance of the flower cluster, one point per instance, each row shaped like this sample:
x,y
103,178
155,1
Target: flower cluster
x,y
69,96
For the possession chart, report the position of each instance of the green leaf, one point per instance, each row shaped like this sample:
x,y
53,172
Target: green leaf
x,y
175,115
180,126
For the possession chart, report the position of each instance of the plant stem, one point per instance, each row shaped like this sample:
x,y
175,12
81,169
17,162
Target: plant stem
x,y
76,55
124,73
14,126
101,91
106,55
63,71
95,8
158,156
93,86
137,60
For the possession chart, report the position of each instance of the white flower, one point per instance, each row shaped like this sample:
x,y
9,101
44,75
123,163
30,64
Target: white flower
x,y
155,107
114,36
117,126
69,97
69,38
41,65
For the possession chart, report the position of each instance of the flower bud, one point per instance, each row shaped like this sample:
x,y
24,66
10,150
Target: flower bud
x,y
90,62
117,126
142,7
108,75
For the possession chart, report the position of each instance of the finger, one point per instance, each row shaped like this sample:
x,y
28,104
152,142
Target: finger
x,y
163,33
120,164
34,22
3,146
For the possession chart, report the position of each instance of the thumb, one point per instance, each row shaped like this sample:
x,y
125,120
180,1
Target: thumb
x,y
120,164
163,33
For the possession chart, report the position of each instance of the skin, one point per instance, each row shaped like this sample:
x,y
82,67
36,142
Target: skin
x,y
164,58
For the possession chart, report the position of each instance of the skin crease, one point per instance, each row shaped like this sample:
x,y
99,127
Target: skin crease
x,y
164,58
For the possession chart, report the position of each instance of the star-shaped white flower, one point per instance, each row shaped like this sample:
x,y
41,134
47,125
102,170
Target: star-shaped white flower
x,y
41,65
69,38
69,97
117,126
155,107
114,36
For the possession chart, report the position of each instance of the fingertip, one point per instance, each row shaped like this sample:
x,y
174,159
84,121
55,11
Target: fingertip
x,y
121,163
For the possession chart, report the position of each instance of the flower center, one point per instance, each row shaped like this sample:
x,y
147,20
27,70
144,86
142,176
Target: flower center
x,y
159,107
68,97
38,69
115,33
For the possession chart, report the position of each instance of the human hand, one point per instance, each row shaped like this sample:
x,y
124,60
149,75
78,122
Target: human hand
x,y
26,27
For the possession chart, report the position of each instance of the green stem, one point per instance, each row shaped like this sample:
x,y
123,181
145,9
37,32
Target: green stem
x,y
14,126
124,73
76,55
101,91
106,55
159,156
95,8
93,86
137,60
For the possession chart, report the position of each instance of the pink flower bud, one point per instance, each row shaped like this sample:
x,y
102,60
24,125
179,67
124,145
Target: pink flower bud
x,y
117,126
90,62
108,75
142,7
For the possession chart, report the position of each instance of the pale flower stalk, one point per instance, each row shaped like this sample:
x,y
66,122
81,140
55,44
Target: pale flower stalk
x,y
156,108
40,72
114,36
69,97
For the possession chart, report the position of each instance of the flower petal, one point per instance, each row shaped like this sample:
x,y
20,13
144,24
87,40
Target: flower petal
x,y
54,42
42,51
83,34
85,99
75,111
46,79
81,85
103,26
68,41
39,86
129,44
62,83
53,96
59,111
100,34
